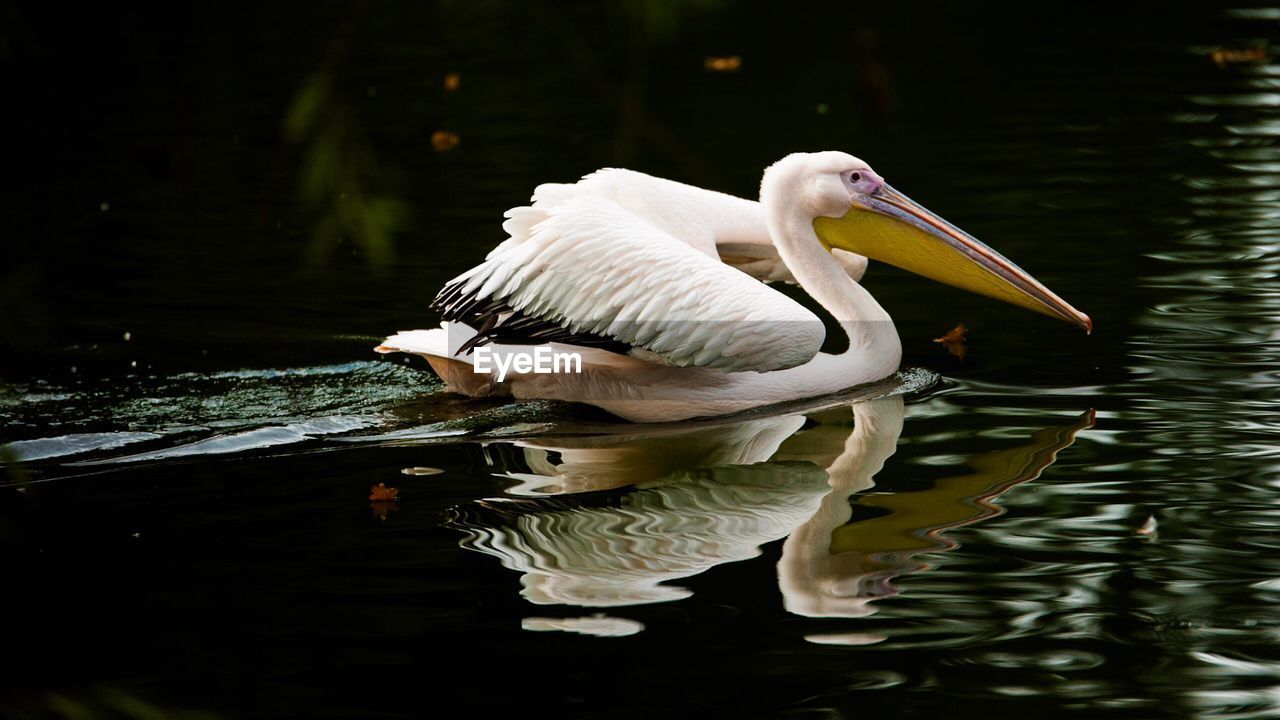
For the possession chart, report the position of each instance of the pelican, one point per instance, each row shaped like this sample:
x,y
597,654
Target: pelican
x,y
660,289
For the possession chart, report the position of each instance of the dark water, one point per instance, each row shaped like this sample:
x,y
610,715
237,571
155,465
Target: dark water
x,y
218,212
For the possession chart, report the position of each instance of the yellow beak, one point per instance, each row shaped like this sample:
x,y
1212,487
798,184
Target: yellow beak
x,y
888,226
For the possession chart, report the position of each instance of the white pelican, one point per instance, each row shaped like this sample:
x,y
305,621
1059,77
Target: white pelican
x,y
641,277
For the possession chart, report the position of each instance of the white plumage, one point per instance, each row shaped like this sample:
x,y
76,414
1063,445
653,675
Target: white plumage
x,y
635,259
657,286
720,226
591,266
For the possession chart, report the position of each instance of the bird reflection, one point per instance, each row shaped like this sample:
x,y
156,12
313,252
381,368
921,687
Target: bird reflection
x,y
831,567
611,520
575,464
622,548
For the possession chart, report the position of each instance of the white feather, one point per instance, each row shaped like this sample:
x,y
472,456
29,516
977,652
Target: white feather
x,y
657,292
714,223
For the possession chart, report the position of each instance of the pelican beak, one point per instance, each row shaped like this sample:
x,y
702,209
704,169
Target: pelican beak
x,y
888,226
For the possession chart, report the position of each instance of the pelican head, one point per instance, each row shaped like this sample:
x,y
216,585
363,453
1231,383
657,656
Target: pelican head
x,y
854,209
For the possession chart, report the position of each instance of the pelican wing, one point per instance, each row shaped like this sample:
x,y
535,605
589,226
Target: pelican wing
x,y
589,267
762,262
714,223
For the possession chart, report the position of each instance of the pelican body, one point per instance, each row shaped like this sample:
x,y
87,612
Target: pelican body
x,y
662,290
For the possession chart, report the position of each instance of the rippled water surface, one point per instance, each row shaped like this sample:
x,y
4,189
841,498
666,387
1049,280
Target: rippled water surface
x,y
217,502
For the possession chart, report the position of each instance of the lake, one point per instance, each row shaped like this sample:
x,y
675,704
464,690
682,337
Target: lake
x,y
219,502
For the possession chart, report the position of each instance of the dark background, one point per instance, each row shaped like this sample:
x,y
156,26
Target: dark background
x,y
176,119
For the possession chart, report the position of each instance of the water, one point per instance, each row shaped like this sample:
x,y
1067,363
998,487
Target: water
x,y
1056,524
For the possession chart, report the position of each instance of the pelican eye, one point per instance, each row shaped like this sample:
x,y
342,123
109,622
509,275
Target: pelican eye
x,y
862,182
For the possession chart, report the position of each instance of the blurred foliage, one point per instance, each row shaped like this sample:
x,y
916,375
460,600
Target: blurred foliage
x,y
101,702
337,182
660,19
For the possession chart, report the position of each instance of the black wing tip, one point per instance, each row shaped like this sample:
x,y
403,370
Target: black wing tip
x,y
496,321
521,329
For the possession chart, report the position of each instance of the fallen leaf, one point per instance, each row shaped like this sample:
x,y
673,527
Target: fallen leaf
x,y
1149,527
1223,57
954,340
382,493
452,81
443,141
728,63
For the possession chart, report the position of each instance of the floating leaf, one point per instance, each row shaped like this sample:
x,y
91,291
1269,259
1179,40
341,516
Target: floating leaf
x,y
1222,57
726,64
954,340
382,493
443,141
384,500
452,81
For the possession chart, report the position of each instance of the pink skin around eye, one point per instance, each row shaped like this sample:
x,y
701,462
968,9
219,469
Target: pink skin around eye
x,y
862,182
